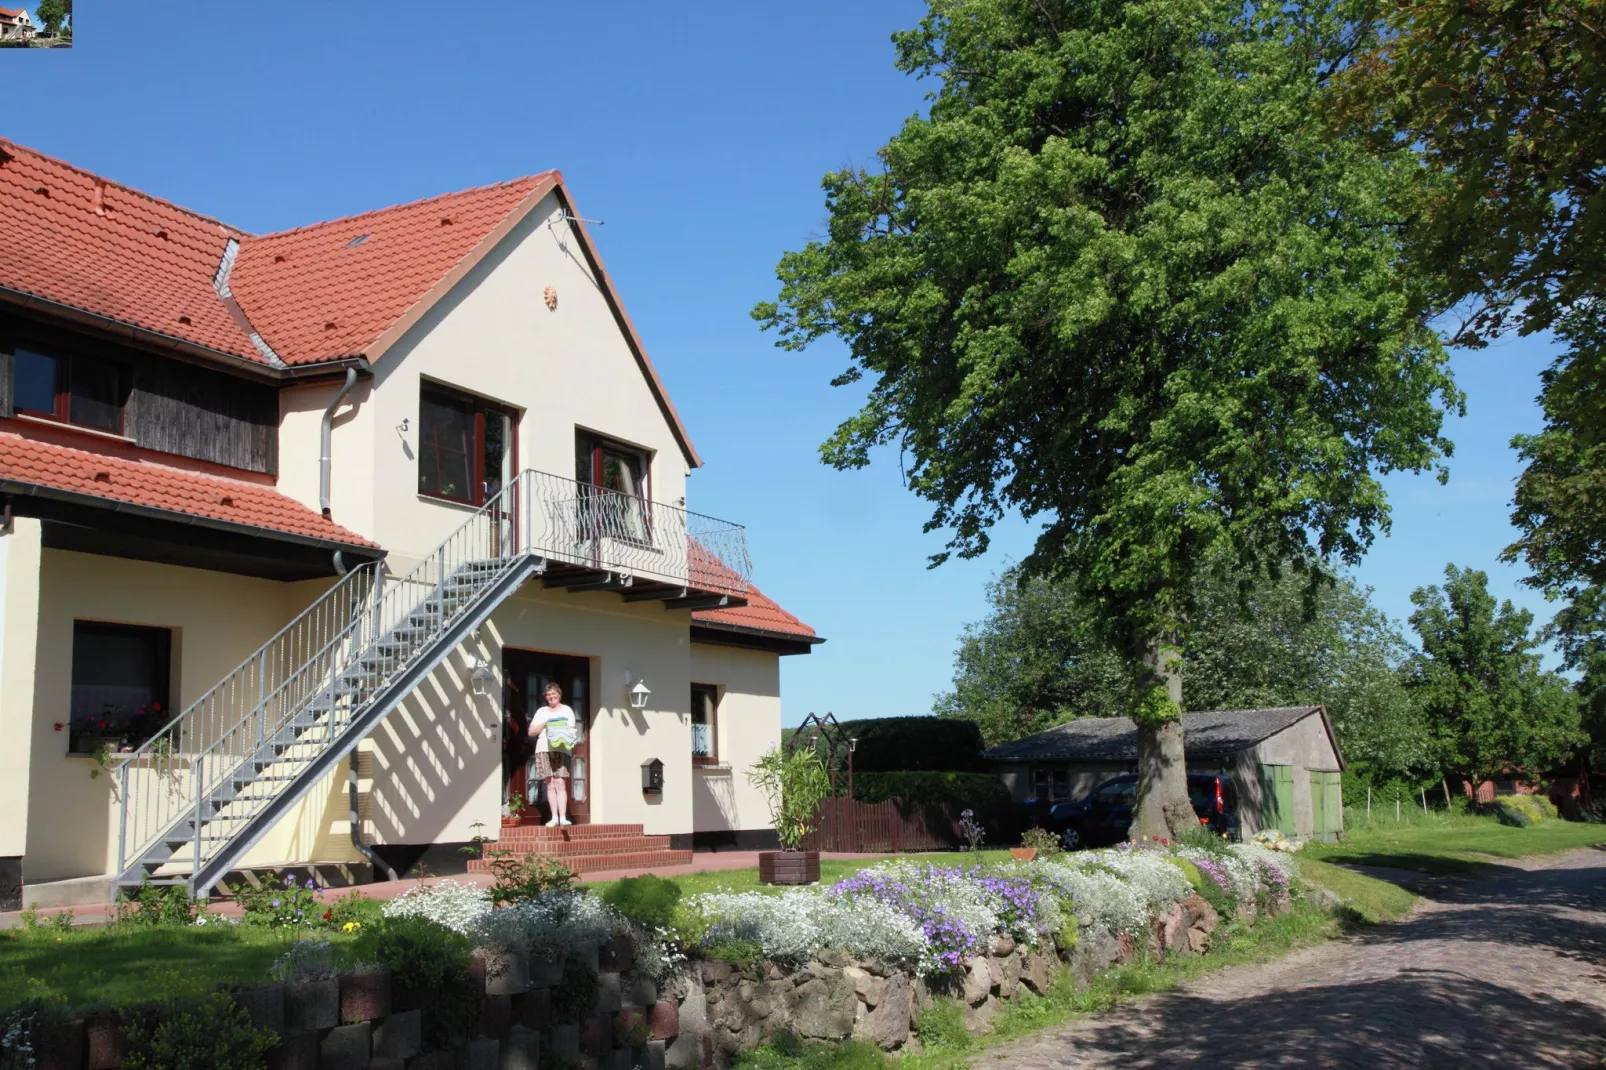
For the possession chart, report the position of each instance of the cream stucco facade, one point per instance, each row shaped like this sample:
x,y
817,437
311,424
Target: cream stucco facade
x,y
431,773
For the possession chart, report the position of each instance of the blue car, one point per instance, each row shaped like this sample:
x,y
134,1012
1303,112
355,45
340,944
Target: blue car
x,y
1105,815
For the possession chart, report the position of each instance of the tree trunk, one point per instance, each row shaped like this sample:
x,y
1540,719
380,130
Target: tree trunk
x,y
1163,810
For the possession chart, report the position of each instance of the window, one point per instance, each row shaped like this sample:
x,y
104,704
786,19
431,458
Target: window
x,y
73,389
704,724
465,446
1051,785
623,512
119,685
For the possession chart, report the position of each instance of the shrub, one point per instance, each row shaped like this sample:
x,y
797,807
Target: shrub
x,y
307,960
519,880
927,788
279,904
1515,816
577,995
1044,842
648,900
153,904
196,1036
354,911
1207,878
895,744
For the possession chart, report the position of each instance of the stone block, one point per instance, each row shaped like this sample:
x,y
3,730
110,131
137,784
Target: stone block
x,y
835,959
1001,945
652,1056
888,1027
346,1047
478,970
1037,972
694,1012
596,1035
311,1005
685,1053
364,997
1198,941
586,952
566,1041
544,970
1011,968
978,981
263,1006
522,1049
866,985
400,1035
617,955
533,1010
820,1009
105,1042
641,991
295,1051
506,971
979,1018
664,1018
482,1053
59,1045
413,999
716,972
610,995
496,1016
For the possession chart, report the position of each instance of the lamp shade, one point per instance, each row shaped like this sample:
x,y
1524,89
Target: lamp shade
x,y
639,695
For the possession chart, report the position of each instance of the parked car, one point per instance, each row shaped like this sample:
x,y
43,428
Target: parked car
x,y
1103,817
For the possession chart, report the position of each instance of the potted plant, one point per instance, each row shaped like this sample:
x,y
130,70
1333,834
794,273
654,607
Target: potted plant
x,y
793,784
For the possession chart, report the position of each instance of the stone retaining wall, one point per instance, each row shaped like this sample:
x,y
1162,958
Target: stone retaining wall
x,y
360,1021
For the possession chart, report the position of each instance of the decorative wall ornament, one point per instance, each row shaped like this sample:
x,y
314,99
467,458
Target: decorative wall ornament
x,y
550,296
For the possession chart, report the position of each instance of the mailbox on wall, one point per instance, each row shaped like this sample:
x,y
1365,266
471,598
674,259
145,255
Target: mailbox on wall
x,y
652,777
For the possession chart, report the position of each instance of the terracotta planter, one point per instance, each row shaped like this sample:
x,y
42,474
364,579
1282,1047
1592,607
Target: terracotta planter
x,y
789,867
1023,854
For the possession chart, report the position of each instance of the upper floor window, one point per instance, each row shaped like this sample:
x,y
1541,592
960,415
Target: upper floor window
x,y
465,446
602,463
73,389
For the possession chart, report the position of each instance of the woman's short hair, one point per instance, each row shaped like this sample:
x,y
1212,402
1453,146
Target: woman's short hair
x,y
552,689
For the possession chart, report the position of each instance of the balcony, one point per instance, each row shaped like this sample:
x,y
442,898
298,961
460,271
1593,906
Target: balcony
x,y
595,539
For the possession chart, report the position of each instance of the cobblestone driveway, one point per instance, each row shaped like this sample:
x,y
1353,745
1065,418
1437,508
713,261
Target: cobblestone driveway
x,y
1508,972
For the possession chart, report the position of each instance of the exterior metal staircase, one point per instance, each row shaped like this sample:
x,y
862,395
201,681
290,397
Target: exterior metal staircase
x,y
197,796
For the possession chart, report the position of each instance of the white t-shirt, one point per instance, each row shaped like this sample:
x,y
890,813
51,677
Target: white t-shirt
x,y
561,714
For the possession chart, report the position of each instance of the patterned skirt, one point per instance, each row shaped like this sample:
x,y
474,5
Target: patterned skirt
x,y
551,763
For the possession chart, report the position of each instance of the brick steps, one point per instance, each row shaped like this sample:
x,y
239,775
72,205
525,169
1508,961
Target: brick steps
x,y
599,863
586,848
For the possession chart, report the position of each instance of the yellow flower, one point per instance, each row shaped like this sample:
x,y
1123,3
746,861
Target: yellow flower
x,y
351,926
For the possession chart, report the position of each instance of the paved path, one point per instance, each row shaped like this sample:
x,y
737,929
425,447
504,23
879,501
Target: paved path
x,y
1508,971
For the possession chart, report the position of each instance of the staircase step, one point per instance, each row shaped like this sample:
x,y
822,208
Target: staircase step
x,y
594,845
603,863
540,832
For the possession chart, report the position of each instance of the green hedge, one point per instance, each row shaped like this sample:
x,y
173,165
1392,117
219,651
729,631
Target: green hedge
x,y
927,788
900,744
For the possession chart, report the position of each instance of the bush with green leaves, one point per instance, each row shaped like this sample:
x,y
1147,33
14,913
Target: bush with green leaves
x,y
648,900
942,1026
280,903
1044,842
927,788
577,995
425,955
1520,811
520,879
156,904
195,1035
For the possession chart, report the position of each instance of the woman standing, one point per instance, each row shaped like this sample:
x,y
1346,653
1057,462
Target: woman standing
x,y
553,729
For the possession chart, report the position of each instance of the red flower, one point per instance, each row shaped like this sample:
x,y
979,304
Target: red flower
x,y
58,726
156,707
100,724
329,914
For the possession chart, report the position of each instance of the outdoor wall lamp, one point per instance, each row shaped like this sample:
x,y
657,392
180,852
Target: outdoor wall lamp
x,y
639,695
479,677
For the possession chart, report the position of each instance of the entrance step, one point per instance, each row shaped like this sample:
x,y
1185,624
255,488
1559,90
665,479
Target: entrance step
x,y
585,848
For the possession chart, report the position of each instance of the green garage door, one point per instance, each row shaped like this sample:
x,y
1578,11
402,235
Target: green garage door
x,y
1277,798
1326,806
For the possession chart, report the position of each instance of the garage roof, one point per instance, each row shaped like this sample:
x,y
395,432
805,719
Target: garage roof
x,y
1207,734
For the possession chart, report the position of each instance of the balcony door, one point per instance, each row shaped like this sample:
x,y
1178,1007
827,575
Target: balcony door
x,y
527,672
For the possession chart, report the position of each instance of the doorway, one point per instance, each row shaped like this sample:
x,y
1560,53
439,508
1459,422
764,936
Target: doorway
x,y
526,674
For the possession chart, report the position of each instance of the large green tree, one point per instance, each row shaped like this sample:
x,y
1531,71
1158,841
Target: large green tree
x,y
1036,660
1490,706
1505,99
1119,279
52,13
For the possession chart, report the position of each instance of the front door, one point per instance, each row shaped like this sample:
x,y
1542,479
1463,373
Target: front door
x,y
527,673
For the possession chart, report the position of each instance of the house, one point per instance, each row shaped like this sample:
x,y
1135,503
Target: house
x,y
1285,763
297,525
15,24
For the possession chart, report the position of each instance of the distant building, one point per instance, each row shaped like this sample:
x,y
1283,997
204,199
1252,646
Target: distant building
x,y
15,24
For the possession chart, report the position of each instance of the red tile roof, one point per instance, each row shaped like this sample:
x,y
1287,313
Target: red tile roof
x,y
760,614
315,296
12,12
43,464
75,239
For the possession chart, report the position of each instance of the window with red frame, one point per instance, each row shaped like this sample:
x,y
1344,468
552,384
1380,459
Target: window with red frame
x,y
73,389
625,512
465,446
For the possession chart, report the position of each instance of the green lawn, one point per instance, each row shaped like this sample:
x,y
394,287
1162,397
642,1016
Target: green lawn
x,y
831,871
1452,845
1371,900
107,966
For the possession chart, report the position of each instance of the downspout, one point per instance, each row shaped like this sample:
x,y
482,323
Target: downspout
x,y
324,458
356,824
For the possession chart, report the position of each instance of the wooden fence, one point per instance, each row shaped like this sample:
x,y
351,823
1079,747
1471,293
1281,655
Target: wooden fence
x,y
892,826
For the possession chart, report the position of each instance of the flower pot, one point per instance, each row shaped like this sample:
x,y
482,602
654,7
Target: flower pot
x,y
789,867
1023,854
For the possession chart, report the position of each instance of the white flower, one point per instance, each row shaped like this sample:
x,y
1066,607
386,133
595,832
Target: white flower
x,y
1098,896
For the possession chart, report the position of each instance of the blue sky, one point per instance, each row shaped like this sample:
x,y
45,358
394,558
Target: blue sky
x,y
698,133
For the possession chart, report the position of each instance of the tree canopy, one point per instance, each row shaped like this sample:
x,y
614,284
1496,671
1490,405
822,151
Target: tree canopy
x,y
1490,706
1119,279
1036,661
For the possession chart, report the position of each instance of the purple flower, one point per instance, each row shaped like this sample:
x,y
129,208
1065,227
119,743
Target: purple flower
x,y
275,902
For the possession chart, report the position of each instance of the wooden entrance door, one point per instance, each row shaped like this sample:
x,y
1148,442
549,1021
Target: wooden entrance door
x,y
527,673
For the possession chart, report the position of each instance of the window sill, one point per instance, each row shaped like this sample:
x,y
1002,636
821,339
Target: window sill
x,y
435,499
76,429
714,768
